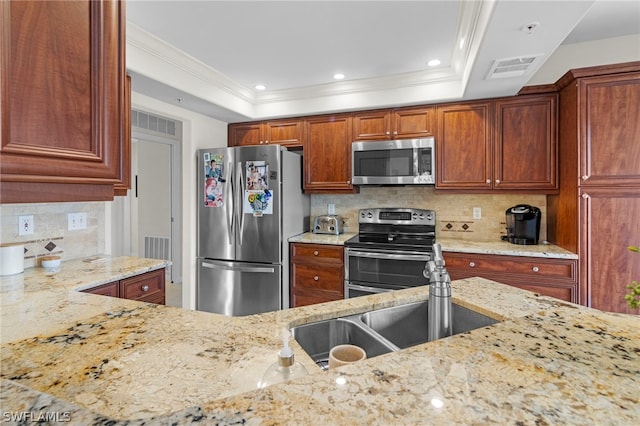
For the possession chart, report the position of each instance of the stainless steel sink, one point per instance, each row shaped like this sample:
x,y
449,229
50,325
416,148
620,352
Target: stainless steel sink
x,y
406,325
380,331
318,338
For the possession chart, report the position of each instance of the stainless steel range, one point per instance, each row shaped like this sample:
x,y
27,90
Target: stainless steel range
x,y
390,250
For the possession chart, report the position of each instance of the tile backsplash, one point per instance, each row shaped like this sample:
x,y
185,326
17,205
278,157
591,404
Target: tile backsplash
x,y
50,233
454,212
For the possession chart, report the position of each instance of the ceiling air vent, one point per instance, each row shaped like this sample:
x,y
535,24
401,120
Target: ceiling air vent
x,y
511,67
154,123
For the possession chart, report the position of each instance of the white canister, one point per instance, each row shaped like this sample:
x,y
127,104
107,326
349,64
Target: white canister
x,y
11,258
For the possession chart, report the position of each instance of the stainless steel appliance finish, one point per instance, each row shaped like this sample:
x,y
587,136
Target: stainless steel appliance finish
x,y
390,251
250,203
439,296
327,224
394,162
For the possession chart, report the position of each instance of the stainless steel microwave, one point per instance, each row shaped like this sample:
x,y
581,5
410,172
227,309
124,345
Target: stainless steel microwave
x,y
394,162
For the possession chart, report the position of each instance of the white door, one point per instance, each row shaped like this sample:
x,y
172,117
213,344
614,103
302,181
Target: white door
x,y
152,195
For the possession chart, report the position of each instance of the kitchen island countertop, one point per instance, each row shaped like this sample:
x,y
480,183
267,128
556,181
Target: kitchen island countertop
x,y
97,359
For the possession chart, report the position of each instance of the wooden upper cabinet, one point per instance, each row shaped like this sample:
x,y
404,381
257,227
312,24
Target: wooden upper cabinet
x,y
505,144
464,146
282,132
245,134
63,81
526,143
401,123
327,154
609,129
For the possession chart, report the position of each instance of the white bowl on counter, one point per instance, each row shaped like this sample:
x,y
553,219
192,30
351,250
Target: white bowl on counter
x,y
51,264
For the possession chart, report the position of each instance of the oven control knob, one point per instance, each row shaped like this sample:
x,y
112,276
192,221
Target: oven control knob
x,y
369,215
429,216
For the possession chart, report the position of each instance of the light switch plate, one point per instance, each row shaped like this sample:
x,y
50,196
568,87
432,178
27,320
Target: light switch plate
x,y
477,213
76,221
331,209
25,225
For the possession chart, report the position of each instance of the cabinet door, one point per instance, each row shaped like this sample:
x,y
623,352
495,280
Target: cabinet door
x,y
245,134
110,289
610,130
327,154
372,125
317,273
284,132
526,143
64,71
610,224
463,146
413,122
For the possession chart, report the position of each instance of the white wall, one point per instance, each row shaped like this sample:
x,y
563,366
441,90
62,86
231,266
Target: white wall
x,y
588,54
198,131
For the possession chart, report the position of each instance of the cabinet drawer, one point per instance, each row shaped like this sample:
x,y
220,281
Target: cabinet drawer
x,y
110,289
145,287
322,252
304,299
319,278
549,268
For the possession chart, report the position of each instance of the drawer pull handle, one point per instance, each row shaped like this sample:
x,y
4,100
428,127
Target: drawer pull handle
x,y
472,264
145,288
315,253
535,269
316,278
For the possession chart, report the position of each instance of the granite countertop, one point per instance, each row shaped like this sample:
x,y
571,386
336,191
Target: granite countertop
x,y
94,359
457,245
310,237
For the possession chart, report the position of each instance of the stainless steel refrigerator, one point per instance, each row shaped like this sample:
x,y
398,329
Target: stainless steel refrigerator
x,y
250,203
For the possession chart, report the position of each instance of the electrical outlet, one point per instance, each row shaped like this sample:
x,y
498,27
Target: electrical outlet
x,y
331,209
25,225
477,213
76,221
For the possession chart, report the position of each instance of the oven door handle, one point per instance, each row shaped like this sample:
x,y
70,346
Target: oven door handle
x,y
368,289
396,256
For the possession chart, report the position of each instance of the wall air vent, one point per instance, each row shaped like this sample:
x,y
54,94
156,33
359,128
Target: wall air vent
x,y
511,67
155,124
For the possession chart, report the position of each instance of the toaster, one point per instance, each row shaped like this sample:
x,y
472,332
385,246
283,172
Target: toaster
x,y
327,224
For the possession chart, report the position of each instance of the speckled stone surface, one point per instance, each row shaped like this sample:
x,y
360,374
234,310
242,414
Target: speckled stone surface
x,y
506,248
458,245
546,362
310,237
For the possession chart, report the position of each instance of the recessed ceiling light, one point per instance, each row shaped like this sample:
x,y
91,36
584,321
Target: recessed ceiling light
x,y
338,76
433,62
260,87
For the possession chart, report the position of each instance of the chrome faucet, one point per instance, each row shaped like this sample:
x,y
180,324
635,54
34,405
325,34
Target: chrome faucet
x,y
439,296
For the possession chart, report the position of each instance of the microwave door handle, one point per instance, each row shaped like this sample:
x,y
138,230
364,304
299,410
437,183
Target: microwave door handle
x,y
390,256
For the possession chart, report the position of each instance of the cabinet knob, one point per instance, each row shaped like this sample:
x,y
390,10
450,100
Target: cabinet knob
x,y
585,177
472,264
145,288
585,196
266,141
315,253
388,132
497,181
261,142
488,181
348,182
316,278
395,133
535,269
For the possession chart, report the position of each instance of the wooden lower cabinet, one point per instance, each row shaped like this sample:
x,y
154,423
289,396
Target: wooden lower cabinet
x,y
550,277
317,273
148,287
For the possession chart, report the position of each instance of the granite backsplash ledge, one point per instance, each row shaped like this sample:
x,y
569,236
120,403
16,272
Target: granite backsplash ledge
x,y
454,212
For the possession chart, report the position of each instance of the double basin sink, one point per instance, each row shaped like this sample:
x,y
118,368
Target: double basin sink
x,y
381,331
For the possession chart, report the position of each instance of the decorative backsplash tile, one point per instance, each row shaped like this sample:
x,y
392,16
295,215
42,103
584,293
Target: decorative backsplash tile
x,y
455,210
50,230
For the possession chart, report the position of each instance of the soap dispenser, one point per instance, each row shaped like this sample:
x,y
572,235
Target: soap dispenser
x,y
285,368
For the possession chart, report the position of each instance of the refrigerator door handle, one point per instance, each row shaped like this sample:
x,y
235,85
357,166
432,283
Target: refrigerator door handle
x,y
229,209
241,268
240,201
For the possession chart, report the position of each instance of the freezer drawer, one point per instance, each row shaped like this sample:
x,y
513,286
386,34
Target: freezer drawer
x,y
238,288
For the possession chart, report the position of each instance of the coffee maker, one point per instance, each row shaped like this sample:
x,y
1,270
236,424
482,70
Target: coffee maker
x,y
523,224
